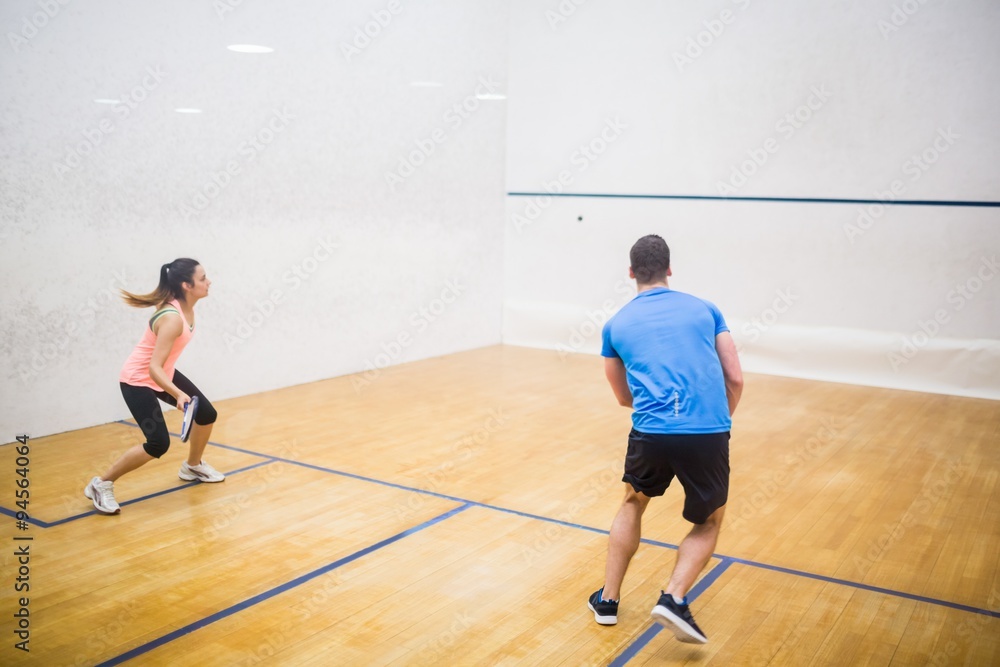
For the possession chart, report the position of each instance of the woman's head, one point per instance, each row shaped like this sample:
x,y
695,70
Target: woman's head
x,y
180,279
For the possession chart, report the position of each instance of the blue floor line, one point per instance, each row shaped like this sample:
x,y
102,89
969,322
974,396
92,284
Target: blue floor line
x,y
435,494
667,545
33,521
59,522
539,517
648,541
362,478
642,640
277,590
866,587
124,422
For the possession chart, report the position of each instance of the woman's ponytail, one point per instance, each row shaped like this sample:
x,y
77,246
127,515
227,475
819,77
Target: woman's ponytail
x,y
171,286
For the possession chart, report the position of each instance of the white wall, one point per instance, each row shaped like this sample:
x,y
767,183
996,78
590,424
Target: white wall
x,y
848,292
416,259
860,287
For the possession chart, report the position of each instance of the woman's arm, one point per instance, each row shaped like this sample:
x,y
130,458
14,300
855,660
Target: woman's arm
x,y
167,328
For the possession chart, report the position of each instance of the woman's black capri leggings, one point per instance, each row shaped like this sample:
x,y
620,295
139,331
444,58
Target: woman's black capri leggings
x,y
142,403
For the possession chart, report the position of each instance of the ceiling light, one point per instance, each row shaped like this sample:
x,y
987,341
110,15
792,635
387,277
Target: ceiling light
x,y
249,48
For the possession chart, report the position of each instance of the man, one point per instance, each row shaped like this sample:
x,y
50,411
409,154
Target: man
x,y
670,357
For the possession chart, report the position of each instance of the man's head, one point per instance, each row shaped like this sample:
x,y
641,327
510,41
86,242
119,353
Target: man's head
x,y
650,259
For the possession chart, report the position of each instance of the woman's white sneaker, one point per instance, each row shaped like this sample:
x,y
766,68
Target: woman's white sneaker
x,y
201,472
103,495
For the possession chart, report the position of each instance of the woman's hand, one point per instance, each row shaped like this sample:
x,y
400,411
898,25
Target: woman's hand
x,y
182,399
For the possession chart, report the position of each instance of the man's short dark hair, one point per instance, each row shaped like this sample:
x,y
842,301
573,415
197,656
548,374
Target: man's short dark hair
x,y
650,259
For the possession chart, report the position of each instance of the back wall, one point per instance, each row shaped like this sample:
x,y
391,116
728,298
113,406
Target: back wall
x,y
823,174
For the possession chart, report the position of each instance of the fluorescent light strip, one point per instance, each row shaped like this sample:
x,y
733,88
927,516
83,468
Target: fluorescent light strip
x,y
249,48
187,110
104,100
491,96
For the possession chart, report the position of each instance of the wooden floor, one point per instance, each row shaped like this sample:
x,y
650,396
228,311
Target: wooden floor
x,y
453,512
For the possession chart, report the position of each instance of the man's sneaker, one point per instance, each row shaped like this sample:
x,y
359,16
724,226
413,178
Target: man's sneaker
x,y
103,495
201,472
605,611
678,619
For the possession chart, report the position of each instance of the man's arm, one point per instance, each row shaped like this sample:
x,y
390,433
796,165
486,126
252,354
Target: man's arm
x,y
614,369
730,360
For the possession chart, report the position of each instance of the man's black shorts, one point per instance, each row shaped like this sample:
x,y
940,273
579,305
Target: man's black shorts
x,y
700,462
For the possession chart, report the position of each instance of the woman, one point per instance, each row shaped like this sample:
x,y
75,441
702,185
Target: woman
x,y
149,374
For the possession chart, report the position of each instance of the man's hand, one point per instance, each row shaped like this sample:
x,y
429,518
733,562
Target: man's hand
x,y
731,370
614,369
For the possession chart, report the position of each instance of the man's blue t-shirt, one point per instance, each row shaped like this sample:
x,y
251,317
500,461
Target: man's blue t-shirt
x,y
666,340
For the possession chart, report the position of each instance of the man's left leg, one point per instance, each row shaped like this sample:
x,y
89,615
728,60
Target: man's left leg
x,y
693,554
626,530
672,610
702,466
